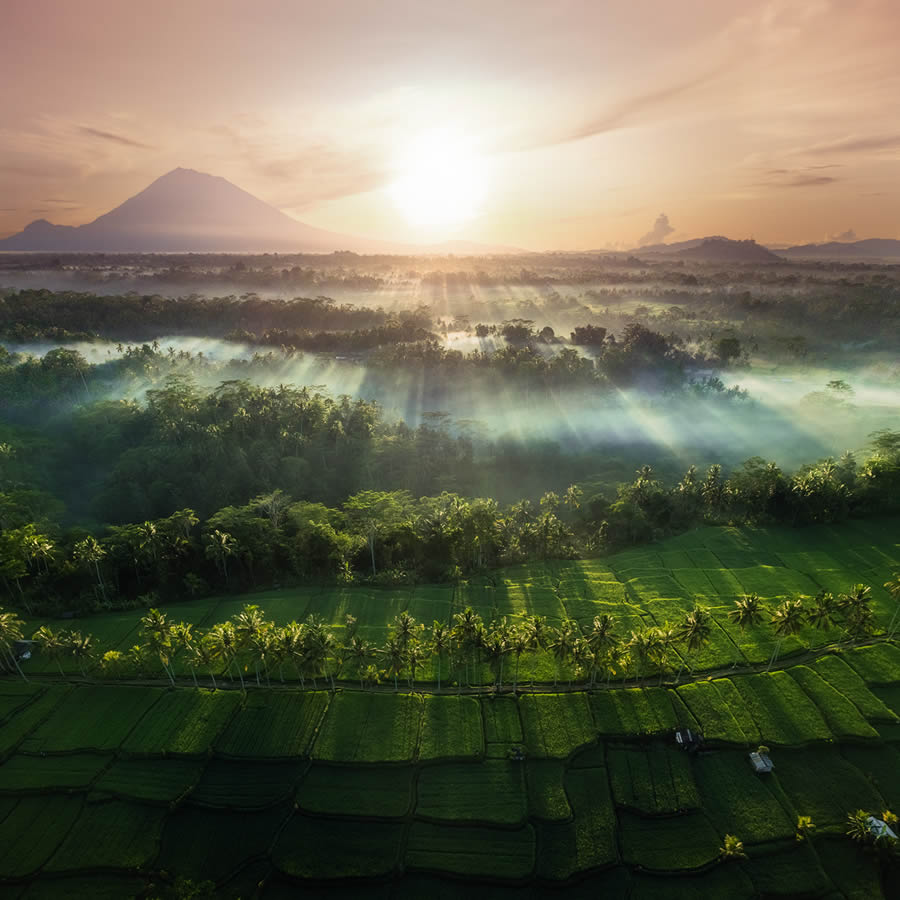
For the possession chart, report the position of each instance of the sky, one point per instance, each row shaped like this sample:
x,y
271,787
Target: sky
x,y
541,125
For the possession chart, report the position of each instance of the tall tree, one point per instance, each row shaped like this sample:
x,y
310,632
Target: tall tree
x,y
787,620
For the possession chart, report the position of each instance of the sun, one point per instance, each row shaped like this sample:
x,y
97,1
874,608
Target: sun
x,y
442,181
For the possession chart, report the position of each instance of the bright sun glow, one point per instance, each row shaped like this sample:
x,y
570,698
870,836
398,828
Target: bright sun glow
x,y
442,181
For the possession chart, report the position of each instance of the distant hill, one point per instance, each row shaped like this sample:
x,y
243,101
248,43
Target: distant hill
x,y
872,248
712,249
189,211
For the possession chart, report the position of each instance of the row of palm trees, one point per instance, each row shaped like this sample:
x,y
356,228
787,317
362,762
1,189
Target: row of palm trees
x,y
249,644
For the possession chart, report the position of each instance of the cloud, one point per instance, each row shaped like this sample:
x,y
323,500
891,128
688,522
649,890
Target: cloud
x,y
660,231
111,136
302,176
848,235
632,110
796,178
872,143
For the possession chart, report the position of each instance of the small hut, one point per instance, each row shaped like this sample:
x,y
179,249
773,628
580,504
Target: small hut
x,y
688,739
761,762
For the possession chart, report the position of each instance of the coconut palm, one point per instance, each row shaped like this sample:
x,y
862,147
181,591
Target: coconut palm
x,y
893,588
440,643
416,655
615,660
495,647
250,626
293,641
788,620
666,639
202,655
360,651
219,547
465,629
89,553
82,649
695,631
732,848
561,642
404,627
536,631
10,632
225,645
857,827
824,612
640,644
805,827
600,637
395,656
580,657
518,644
746,611
51,645
857,608
157,631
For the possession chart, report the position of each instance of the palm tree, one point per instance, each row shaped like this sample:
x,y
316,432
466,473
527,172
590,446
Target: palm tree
x,y
581,657
695,631
158,636
51,645
89,553
360,651
395,655
746,611
857,609
201,655
561,643
219,546
81,647
858,828
536,631
404,627
249,627
615,661
665,640
893,588
293,640
600,638
788,620
732,848
824,613
416,654
440,642
495,648
225,645
10,632
805,827
640,643
518,644
465,628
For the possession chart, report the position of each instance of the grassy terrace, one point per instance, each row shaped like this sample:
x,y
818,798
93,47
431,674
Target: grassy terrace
x,y
277,792
652,586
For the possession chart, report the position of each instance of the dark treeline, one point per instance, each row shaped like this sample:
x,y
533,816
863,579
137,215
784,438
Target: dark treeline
x,y
29,314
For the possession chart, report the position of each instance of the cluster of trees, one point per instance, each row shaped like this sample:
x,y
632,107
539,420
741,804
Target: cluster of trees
x,y
386,537
458,649
755,492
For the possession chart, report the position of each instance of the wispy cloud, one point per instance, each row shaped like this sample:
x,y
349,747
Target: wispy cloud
x,y
112,136
796,178
863,144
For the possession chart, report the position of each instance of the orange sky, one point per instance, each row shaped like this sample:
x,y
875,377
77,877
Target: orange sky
x,y
779,121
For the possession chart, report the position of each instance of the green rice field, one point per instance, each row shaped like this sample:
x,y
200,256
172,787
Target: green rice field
x,y
277,792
